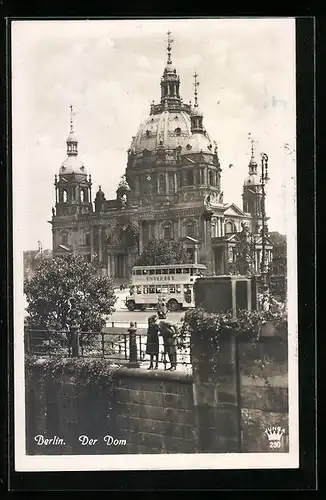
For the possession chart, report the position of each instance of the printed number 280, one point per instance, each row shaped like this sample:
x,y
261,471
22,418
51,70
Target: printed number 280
x,y
275,444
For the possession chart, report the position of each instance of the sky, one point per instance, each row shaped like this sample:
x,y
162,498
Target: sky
x,y
110,72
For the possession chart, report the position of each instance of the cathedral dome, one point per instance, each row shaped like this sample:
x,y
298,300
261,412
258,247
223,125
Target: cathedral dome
x,y
198,143
166,130
72,165
252,180
196,111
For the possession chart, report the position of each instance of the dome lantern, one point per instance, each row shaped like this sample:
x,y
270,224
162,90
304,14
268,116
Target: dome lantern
x,y
252,178
170,82
72,164
72,142
196,113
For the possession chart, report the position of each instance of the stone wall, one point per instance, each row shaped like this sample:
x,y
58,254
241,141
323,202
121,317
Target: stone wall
x,y
263,393
155,410
145,412
233,396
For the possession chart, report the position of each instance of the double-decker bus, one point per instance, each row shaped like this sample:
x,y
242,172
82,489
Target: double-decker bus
x,y
173,282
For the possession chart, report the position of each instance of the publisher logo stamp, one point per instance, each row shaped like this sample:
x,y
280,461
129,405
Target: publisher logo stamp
x,y
274,435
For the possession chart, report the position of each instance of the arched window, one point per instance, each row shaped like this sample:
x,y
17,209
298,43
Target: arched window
x,y
161,184
190,177
211,177
87,239
146,232
202,175
177,131
82,195
190,228
171,182
64,238
167,230
229,227
65,196
214,228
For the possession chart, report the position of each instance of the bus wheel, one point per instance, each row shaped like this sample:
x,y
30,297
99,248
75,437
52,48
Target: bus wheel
x,y
173,305
131,305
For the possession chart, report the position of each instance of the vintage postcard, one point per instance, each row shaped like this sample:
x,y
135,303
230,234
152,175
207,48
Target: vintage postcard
x,y
154,237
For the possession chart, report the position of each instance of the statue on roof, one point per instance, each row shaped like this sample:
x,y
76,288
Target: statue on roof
x,y
100,201
207,202
123,191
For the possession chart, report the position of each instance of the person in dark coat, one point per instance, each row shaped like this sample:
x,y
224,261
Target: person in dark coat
x,y
152,345
169,333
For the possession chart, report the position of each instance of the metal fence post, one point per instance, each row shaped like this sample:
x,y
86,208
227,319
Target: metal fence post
x,y
133,363
74,331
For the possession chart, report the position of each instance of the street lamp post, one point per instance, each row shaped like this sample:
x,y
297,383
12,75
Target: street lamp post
x,y
264,179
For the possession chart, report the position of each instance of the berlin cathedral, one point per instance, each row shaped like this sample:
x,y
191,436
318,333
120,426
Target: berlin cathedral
x,y
171,190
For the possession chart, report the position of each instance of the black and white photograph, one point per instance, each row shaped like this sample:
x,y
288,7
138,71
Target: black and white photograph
x,y
155,244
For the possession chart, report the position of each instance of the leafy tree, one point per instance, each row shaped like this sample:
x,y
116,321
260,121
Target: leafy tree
x,y
161,252
278,266
63,287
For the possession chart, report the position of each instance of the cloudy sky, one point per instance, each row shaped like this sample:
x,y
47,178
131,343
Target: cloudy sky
x,y
110,72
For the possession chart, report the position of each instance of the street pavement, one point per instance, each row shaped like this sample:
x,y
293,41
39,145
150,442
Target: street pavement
x,y
122,316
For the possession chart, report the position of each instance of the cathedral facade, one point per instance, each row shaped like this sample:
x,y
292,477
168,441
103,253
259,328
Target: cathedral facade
x,y
171,190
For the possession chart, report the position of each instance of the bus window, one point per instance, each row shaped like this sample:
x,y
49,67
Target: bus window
x,y
185,270
158,271
145,289
144,271
158,289
178,270
151,271
178,288
172,288
171,271
138,272
165,271
165,289
138,289
151,289
191,272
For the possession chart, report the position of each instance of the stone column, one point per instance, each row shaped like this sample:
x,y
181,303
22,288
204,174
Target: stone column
x,y
205,176
109,265
207,216
216,394
166,183
179,228
92,242
100,253
114,265
140,236
196,254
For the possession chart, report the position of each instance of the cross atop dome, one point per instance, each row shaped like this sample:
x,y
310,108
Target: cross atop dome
x,y
196,83
169,42
71,120
72,141
252,163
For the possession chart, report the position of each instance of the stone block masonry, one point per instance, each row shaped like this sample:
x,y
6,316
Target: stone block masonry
x,y
226,405
155,410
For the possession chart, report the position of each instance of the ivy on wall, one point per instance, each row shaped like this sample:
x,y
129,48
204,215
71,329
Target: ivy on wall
x,y
88,370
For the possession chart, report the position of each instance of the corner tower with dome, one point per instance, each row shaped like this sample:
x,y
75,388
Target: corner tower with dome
x,y
172,177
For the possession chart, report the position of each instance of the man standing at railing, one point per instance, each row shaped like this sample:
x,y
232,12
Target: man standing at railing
x,y
169,334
